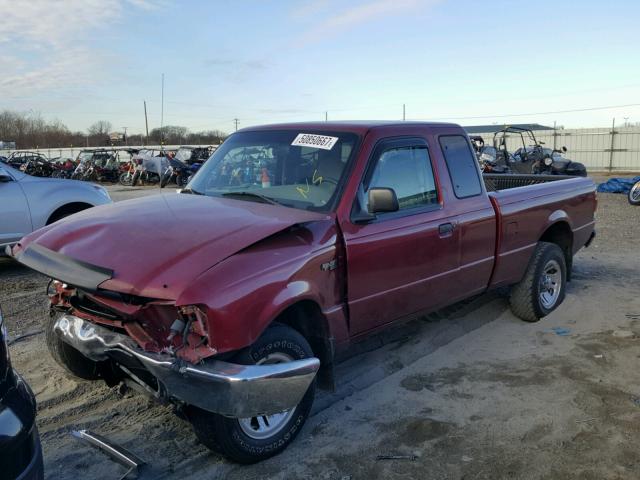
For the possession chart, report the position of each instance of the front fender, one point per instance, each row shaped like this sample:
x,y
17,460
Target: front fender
x,y
246,292
45,196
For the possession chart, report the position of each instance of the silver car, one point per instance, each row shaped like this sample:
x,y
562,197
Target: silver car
x,y
28,203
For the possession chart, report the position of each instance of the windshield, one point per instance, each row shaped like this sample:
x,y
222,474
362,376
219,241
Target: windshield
x,y
84,156
291,168
183,154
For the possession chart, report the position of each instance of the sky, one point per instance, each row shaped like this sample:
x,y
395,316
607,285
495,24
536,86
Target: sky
x,y
269,61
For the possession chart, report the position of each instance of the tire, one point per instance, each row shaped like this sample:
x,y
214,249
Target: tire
x,y
68,357
135,178
228,435
125,179
181,181
634,194
165,179
529,299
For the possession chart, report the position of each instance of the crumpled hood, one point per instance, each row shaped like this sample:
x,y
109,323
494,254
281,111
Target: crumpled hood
x,y
158,244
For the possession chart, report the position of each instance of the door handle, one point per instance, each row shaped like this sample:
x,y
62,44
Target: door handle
x,y
445,230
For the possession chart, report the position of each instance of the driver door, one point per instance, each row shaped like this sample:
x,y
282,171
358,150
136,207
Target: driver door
x,y
15,217
402,262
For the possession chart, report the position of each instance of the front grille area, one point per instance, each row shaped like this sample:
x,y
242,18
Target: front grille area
x,y
83,303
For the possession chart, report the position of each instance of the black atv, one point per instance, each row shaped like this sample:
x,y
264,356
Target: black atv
x,y
529,159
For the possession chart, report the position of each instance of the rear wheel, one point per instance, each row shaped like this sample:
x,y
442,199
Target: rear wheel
x,y
181,181
250,440
634,194
542,288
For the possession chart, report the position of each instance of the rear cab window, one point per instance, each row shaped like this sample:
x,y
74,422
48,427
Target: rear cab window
x,y
461,163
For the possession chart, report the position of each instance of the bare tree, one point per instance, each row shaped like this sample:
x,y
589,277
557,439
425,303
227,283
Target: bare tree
x,y
101,128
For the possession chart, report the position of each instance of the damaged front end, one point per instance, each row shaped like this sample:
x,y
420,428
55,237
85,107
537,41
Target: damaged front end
x,y
216,386
168,350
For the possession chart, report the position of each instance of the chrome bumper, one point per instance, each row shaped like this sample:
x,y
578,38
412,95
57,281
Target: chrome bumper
x,y
226,388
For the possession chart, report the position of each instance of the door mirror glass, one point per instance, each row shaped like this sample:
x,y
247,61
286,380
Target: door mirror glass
x,y
383,200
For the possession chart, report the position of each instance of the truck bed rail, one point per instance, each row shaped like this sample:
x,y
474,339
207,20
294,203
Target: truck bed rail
x,y
495,182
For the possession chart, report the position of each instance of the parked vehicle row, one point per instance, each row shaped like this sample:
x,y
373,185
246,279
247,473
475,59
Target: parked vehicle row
x,y
104,165
292,242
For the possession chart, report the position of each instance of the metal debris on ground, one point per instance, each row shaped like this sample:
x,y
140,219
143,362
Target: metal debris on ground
x,y
116,452
24,336
397,457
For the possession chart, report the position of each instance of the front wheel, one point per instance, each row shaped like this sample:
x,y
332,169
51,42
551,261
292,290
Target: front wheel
x,y
165,179
126,179
542,288
250,440
634,194
74,363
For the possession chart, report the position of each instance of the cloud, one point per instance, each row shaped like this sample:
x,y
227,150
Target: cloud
x,y
345,18
44,44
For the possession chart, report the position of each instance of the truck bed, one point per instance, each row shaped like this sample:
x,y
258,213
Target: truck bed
x,y
530,208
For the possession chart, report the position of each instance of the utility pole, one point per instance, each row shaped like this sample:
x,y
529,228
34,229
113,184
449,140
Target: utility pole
x,y
555,135
404,112
162,114
326,116
146,122
235,120
125,135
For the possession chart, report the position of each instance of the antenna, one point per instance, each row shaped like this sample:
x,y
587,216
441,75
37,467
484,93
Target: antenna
x,y
162,114
146,123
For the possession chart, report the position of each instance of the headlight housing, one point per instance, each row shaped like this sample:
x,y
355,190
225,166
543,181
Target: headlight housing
x,y
102,191
548,161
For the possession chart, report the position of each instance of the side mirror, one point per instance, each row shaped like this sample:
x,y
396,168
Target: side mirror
x,y
564,149
5,177
383,200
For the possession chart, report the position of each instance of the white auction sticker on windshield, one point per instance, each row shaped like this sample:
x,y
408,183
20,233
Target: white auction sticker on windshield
x,y
311,140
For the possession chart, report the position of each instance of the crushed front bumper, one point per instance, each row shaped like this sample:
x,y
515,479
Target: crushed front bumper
x,y
226,388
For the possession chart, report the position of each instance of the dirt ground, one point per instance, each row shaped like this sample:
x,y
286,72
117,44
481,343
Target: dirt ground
x,y
470,393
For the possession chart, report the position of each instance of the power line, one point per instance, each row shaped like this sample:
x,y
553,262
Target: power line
x,y
608,107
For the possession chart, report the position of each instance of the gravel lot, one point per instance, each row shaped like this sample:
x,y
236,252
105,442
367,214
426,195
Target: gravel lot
x,y
472,392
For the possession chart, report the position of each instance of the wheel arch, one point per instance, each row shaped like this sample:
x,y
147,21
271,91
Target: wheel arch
x,y
306,317
67,209
560,233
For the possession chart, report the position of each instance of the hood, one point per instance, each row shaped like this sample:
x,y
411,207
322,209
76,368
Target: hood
x,y
155,246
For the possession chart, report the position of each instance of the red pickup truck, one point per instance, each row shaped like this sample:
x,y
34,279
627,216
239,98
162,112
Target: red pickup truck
x,y
290,243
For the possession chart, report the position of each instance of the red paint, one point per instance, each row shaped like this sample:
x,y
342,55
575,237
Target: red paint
x,y
243,263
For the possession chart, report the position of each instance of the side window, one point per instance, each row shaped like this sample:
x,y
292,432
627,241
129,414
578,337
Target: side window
x,y
462,166
407,170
